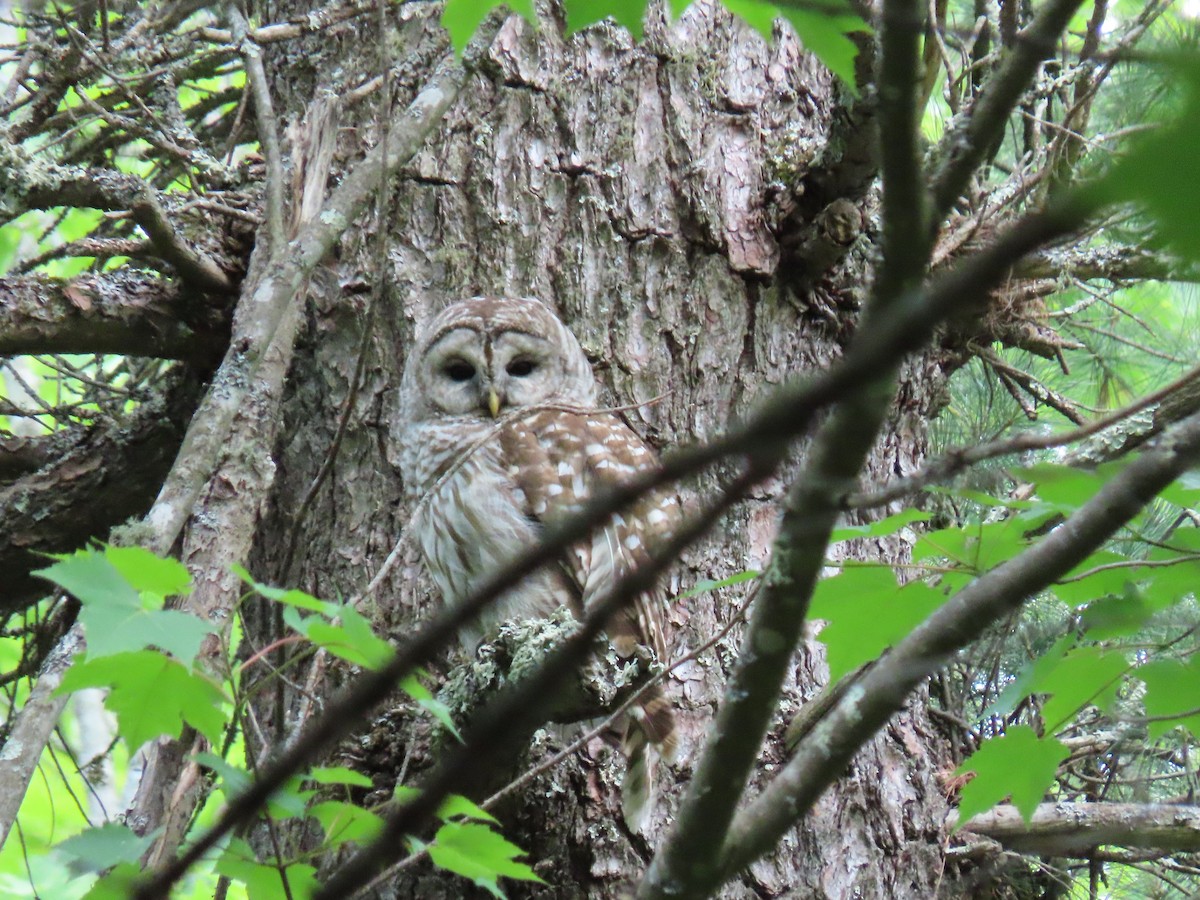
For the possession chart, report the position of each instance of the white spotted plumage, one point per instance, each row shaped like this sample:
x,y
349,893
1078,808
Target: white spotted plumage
x,y
499,435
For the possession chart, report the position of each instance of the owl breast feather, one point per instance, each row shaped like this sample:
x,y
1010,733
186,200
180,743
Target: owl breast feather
x,y
473,525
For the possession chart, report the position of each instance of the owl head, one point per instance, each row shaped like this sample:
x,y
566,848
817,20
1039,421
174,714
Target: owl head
x,y
485,356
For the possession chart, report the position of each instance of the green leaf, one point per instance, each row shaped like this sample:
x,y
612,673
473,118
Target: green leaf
x,y
759,16
1086,675
353,640
826,36
291,597
264,882
1029,678
117,884
436,708
479,854
92,579
458,805
100,848
114,618
344,822
114,631
1172,695
1064,488
703,587
1094,584
234,779
1166,584
1117,615
1184,491
462,17
147,572
289,801
375,651
151,695
339,775
867,612
1017,764
453,805
976,548
882,528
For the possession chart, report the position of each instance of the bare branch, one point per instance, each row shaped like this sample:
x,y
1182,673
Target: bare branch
x,y
42,185
319,20
958,460
1076,829
100,478
126,312
31,729
268,126
966,146
1110,262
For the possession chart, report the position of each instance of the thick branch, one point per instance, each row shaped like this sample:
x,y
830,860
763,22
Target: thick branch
x,y
42,185
1111,262
785,415
824,753
22,455
31,729
906,242
1076,829
261,310
130,313
104,476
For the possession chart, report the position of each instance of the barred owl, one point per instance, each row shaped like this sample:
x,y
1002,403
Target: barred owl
x,y
499,435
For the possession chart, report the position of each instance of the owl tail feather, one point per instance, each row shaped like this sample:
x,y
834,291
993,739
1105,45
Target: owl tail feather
x,y
649,735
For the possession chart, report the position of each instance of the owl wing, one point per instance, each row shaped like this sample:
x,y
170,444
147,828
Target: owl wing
x,y
559,461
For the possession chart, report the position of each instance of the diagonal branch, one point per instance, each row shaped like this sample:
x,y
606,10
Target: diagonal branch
x,y
268,298
883,688
268,126
32,727
967,146
42,185
1112,262
518,712
959,459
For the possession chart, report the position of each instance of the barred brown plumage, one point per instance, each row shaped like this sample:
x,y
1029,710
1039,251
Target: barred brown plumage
x,y
500,436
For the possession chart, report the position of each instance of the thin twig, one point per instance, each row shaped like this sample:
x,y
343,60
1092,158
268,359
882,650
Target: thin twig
x,y
957,460
588,736
268,127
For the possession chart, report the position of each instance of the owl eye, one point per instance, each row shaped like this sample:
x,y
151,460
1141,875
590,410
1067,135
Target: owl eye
x,y
519,368
459,370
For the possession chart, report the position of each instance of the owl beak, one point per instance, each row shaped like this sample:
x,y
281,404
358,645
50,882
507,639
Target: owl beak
x,y
493,402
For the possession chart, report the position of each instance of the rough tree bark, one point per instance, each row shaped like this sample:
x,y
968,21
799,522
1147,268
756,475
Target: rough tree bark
x,y
703,208
697,207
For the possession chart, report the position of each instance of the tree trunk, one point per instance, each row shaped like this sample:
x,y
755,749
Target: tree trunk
x,y
698,210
